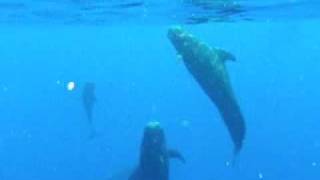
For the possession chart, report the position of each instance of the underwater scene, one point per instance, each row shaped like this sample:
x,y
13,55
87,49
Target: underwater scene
x,y
159,90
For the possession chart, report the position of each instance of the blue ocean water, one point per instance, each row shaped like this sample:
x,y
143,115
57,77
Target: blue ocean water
x,y
123,48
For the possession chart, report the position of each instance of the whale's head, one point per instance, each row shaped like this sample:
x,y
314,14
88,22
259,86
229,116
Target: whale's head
x,y
175,34
193,50
153,149
153,136
181,39
186,45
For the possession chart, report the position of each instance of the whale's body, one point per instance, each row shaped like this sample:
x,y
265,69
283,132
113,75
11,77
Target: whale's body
x,y
89,100
207,66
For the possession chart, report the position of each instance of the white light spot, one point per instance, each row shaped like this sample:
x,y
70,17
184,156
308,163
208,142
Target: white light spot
x,y
185,123
5,88
29,136
133,84
314,164
227,163
71,85
145,12
260,175
301,77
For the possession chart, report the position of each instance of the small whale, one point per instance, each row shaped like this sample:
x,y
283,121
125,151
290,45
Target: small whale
x,y
154,155
207,66
89,100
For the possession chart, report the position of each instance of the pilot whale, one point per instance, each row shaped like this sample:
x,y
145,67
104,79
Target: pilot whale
x,y
154,155
89,100
207,66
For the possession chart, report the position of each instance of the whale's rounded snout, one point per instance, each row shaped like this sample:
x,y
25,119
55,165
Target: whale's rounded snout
x,y
174,33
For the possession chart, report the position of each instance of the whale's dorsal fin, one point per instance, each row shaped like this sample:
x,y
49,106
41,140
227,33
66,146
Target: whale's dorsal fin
x,y
224,55
176,154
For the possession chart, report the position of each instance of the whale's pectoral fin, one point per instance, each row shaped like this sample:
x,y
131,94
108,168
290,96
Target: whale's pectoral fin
x,y
176,154
224,55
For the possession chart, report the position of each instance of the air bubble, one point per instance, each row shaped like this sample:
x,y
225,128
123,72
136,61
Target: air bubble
x,y
71,85
260,175
314,164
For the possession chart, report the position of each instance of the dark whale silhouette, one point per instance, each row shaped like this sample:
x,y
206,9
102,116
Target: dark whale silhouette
x,y
89,99
154,155
207,65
